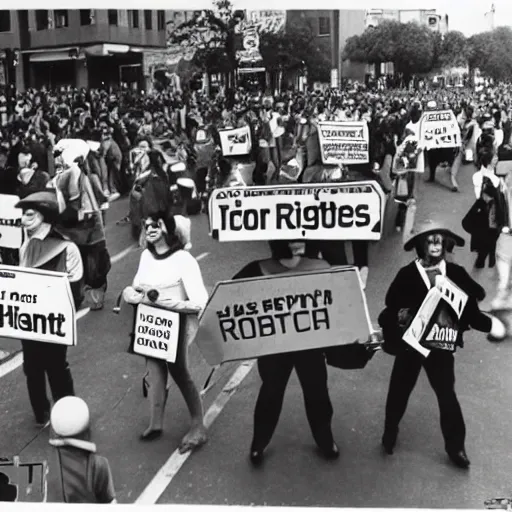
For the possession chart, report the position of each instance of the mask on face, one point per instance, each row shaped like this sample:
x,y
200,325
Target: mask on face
x,y
31,220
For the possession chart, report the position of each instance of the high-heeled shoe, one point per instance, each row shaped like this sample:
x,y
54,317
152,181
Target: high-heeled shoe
x,y
151,435
256,457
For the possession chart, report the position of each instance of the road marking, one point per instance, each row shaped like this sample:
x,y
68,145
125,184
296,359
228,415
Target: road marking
x,y
11,365
202,256
82,312
122,254
152,493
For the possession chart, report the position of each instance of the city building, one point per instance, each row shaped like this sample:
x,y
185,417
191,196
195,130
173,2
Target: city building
x,y
427,17
78,47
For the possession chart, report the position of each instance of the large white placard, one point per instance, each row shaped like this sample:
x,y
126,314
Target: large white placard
x,y
344,142
439,129
36,305
156,333
236,141
11,232
339,211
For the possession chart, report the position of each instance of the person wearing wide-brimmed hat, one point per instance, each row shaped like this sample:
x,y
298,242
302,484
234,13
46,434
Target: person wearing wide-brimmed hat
x,y
432,240
47,249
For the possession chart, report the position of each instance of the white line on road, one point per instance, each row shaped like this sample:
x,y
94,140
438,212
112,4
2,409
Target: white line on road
x,y
11,365
151,494
82,312
202,256
122,254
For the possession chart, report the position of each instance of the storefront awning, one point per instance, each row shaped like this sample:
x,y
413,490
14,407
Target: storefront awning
x,y
54,56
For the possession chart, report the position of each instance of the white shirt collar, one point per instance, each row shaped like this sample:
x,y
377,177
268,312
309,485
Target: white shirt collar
x,y
42,231
423,272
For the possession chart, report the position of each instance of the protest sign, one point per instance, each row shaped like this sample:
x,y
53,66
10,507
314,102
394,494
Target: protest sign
x,y
235,141
344,142
439,129
436,324
337,211
11,232
156,333
36,305
23,482
249,318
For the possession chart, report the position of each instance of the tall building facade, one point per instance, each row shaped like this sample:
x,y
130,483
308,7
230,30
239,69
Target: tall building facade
x,y
79,47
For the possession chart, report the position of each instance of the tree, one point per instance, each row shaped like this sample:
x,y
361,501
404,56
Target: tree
x,y
409,46
294,49
211,33
454,50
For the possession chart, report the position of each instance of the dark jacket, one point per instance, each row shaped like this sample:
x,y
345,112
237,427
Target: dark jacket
x,y
408,290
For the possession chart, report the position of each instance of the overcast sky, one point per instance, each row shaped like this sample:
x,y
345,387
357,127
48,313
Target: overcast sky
x,y
468,16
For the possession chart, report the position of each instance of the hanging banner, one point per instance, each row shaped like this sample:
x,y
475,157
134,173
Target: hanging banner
x,y
337,211
436,324
36,305
11,232
344,142
439,129
23,482
236,141
250,318
156,333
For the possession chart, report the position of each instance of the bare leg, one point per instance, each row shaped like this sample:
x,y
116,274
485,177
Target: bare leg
x,y
180,372
157,383
455,170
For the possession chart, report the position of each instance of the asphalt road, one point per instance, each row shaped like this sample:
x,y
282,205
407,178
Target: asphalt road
x,y
418,475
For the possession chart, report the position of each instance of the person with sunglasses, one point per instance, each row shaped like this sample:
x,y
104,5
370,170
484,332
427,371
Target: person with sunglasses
x,y
169,277
432,241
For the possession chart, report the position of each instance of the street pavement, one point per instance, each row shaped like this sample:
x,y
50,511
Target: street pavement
x,y
417,475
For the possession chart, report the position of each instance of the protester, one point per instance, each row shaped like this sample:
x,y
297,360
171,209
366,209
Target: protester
x,y
47,249
403,300
169,277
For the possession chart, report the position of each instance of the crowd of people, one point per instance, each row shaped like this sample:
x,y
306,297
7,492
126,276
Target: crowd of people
x,y
67,154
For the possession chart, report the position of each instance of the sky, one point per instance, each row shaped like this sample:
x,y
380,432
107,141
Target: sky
x,y
467,16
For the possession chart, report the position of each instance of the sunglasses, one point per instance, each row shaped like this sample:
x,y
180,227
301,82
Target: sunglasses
x,y
152,224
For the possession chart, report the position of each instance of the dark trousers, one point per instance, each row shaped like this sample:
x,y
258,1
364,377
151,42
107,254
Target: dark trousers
x,y
275,370
39,360
487,247
438,156
439,366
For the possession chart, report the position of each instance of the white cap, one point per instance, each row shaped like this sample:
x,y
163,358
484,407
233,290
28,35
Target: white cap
x,y
431,104
70,416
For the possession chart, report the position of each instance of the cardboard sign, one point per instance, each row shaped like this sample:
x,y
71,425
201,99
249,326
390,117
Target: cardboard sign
x,y
11,232
338,211
250,318
36,305
236,141
439,129
156,333
344,142
23,482
436,324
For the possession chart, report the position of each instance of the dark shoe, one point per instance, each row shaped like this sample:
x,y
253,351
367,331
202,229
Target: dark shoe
x,y
332,452
256,457
480,262
151,435
43,421
389,441
455,189
460,459
492,260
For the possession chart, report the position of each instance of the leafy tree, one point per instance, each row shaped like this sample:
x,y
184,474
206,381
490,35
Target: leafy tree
x,y
454,50
211,33
294,49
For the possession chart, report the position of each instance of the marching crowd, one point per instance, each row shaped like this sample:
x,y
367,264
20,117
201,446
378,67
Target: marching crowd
x,y
67,154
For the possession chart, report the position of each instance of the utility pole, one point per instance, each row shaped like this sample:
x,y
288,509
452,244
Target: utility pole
x,y
491,14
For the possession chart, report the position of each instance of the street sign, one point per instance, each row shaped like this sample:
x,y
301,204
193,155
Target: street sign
x,y
249,318
334,211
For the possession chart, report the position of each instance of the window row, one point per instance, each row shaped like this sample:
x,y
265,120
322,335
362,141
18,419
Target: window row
x,y
60,19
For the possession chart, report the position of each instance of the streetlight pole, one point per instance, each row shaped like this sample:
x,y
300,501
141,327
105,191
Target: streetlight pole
x,y
491,14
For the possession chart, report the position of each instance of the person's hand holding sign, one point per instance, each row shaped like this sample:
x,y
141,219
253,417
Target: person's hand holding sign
x,y
134,295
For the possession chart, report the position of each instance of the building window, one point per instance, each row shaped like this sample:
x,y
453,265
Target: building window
x,y
60,18
5,21
112,17
161,20
148,20
42,17
134,15
324,26
86,17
